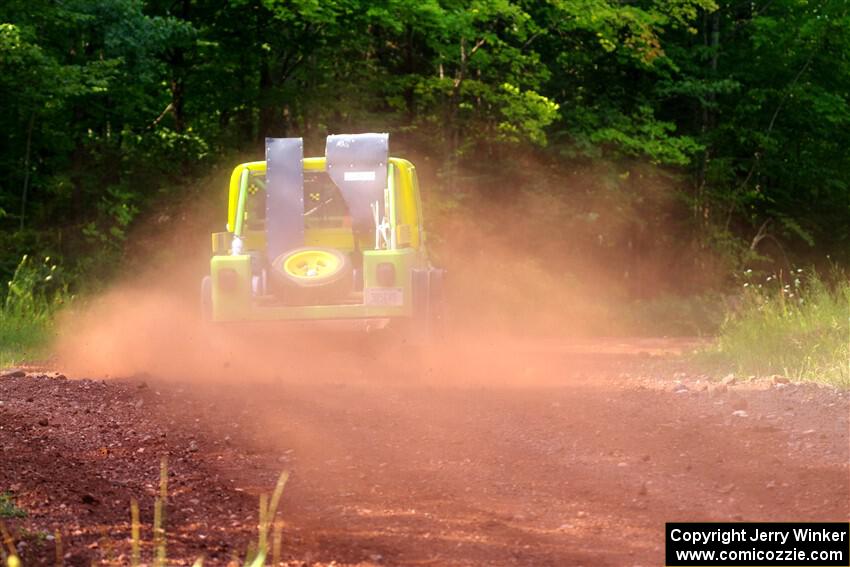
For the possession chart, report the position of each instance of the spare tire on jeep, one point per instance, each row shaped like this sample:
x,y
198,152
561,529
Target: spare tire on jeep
x,y
312,275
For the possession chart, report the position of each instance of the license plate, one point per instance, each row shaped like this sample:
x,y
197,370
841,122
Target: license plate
x,y
386,296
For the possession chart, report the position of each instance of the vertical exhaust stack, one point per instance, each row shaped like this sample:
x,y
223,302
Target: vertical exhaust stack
x,y
284,195
357,164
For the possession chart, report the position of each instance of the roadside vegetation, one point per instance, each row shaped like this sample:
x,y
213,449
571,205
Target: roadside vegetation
x,y
267,547
22,338
8,508
35,293
796,325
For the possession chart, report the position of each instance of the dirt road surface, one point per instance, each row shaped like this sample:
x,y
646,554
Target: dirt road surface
x,y
499,453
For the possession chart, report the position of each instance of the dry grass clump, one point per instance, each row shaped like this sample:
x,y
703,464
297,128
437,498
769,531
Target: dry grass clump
x,y
256,555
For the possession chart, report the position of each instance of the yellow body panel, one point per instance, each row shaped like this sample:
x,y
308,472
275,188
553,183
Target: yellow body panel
x,y
408,203
231,304
337,238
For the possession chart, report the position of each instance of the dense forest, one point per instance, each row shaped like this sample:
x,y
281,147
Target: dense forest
x,y
741,108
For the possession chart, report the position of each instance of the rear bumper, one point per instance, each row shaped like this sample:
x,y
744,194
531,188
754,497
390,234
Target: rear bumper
x,y
235,295
308,327
230,297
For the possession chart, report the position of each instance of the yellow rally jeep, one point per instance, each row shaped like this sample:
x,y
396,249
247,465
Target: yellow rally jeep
x,y
338,237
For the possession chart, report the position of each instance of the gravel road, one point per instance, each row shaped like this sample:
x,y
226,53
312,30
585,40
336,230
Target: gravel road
x,y
486,453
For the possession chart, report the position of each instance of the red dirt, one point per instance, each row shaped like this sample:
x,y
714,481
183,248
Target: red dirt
x,y
495,453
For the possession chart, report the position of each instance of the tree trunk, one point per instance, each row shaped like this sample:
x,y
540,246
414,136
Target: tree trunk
x,y
711,38
265,128
27,168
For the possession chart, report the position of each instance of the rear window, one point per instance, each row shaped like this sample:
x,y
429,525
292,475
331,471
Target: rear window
x,y
324,206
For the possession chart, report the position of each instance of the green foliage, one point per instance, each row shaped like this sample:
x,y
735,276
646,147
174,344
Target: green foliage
x,y
21,339
108,233
795,325
769,86
34,294
8,509
640,134
37,289
525,116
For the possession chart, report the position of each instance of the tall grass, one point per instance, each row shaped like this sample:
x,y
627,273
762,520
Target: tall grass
x,y
796,325
34,294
